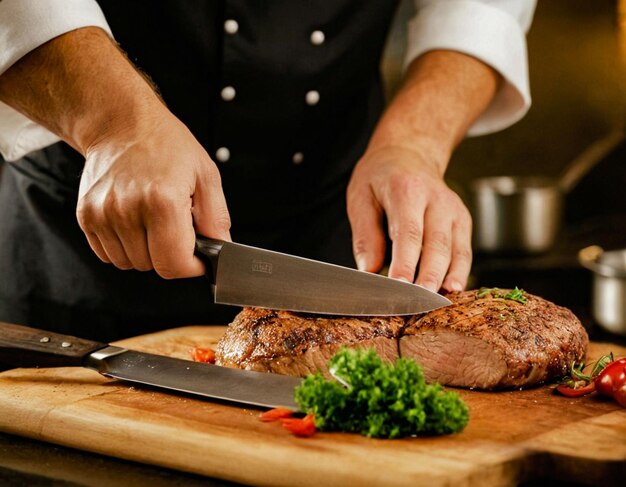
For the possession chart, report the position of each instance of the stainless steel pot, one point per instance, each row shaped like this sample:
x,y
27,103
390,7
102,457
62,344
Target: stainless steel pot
x,y
513,214
609,286
523,214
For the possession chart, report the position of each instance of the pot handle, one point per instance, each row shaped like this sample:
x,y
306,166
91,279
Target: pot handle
x,y
589,158
589,257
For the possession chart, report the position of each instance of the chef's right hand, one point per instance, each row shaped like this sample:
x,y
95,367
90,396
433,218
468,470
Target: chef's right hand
x,y
144,193
147,186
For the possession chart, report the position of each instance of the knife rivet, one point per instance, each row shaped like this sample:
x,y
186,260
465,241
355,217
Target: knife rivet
x,y
66,344
44,339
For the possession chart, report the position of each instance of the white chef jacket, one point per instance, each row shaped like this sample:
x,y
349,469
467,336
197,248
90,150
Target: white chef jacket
x,y
490,30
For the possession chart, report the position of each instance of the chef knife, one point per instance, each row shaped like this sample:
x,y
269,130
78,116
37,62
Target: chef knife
x,y
249,276
21,346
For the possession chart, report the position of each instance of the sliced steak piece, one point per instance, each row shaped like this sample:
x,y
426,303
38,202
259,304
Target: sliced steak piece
x,y
489,342
300,344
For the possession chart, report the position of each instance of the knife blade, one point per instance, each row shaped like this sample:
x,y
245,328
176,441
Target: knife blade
x,y
249,276
22,346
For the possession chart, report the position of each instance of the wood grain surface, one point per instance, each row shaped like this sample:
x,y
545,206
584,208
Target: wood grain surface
x,y
512,436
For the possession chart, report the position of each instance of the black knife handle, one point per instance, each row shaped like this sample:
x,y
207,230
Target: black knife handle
x,y
208,250
22,346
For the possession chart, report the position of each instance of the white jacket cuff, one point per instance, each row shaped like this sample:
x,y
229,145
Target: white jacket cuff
x,y
24,26
487,33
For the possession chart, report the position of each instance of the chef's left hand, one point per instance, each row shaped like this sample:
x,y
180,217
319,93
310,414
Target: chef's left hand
x,y
399,179
426,221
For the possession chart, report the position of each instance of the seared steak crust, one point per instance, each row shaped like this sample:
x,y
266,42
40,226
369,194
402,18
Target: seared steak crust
x,y
299,344
489,342
482,342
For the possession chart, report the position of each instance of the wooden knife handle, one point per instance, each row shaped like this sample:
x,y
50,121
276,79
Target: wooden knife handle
x,y
21,346
208,250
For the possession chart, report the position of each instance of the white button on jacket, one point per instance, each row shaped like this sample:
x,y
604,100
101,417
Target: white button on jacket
x,y
317,37
231,26
312,97
298,157
222,154
228,93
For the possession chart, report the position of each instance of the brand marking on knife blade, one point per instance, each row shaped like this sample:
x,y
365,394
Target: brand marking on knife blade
x,y
262,267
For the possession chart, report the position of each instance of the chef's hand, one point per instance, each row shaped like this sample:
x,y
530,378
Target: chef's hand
x,y
147,182
145,191
400,176
426,220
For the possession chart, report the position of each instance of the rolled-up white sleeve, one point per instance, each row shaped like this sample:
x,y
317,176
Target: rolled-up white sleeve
x,y
493,31
24,26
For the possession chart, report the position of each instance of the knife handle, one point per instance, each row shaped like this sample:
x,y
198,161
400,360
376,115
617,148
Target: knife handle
x,y
208,250
22,346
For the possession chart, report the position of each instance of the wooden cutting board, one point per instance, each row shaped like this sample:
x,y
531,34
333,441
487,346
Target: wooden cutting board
x,y
512,436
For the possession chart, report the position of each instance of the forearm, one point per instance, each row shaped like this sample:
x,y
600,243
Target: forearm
x,y
442,94
80,86
147,186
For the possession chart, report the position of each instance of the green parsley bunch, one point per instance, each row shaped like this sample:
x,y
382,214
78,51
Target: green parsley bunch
x,y
379,399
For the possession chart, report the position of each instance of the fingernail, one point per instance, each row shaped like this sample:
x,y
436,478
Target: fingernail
x,y
456,286
361,263
431,286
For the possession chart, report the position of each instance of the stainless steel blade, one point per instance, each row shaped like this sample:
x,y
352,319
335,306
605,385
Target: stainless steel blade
x,y
243,386
249,276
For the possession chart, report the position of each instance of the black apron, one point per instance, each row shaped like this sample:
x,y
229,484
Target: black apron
x,y
296,116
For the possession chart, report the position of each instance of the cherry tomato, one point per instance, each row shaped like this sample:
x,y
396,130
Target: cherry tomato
x,y
300,427
576,392
205,355
620,395
612,377
276,414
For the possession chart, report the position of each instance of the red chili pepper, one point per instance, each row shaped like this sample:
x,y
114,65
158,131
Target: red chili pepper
x,y
205,355
611,378
576,392
300,427
276,414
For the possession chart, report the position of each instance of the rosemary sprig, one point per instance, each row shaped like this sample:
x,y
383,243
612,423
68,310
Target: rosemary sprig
x,y
514,295
577,369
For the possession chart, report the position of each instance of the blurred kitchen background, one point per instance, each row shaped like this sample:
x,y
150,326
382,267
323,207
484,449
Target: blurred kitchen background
x,y
577,58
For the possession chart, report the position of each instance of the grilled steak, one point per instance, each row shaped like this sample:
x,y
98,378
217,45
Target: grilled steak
x,y
300,344
485,342
489,342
